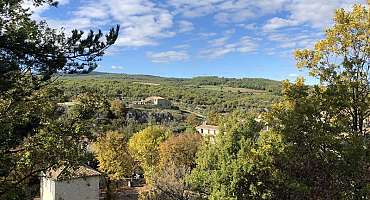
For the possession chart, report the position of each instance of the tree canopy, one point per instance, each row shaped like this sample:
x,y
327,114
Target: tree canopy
x,y
317,146
112,153
144,147
31,54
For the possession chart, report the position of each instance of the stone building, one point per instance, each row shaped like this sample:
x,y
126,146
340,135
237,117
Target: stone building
x,y
66,183
155,101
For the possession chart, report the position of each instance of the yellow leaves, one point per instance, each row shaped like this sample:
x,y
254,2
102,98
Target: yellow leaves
x,y
144,146
306,58
348,37
179,150
300,82
114,158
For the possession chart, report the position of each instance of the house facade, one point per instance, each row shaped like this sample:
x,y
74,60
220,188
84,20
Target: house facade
x,y
155,101
207,130
81,183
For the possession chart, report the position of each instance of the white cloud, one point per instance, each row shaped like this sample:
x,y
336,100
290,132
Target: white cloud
x,y
231,17
218,42
115,67
146,22
182,46
185,26
277,23
219,47
246,45
293,75
93,10
285,43
316,13
252,26
167,56
142,22
227,11
207,35
78,23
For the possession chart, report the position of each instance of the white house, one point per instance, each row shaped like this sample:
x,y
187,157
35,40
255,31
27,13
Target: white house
x,y
155,101
66,183
207,130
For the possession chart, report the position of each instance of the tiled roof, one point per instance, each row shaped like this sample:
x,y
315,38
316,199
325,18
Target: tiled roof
x,y
65,173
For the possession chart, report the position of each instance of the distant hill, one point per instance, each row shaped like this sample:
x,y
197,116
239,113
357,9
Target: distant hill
x,y
249,83
199,94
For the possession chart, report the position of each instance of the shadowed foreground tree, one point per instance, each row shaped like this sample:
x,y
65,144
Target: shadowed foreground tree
x,y
33,138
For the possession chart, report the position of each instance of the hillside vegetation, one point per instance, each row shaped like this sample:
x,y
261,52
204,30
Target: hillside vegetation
x,y
202,94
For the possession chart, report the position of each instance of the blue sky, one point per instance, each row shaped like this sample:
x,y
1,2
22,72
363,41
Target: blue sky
x,y
186,38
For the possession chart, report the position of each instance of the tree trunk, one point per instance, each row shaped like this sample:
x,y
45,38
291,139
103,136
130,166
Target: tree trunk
x,y
109,192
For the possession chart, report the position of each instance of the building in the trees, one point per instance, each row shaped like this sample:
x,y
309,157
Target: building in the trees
x,y
155,101
207,130
67,183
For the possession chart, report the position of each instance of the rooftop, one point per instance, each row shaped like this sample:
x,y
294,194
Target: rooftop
x,y
66,173
206,126
154,97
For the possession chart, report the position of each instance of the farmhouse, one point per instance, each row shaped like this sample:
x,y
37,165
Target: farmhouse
x,y
155,101
207,130
67,183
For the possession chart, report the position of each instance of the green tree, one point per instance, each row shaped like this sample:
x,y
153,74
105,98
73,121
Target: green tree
x,y
118,108
192,120
114,158
239,165
318,145
179,150
144,147
341,62
32,137
177,158
213,117
324,127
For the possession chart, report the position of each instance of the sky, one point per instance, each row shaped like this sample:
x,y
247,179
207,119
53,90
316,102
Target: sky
x,y
187,38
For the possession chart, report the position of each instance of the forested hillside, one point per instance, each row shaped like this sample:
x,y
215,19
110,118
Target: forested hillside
x,y
203,94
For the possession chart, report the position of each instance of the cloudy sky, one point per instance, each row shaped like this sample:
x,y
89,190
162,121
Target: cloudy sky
x,y
186,38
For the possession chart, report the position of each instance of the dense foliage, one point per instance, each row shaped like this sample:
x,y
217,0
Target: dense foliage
x,y
177,159
311,143
112,153
33,136
317,146
144,147
239,164
188,94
